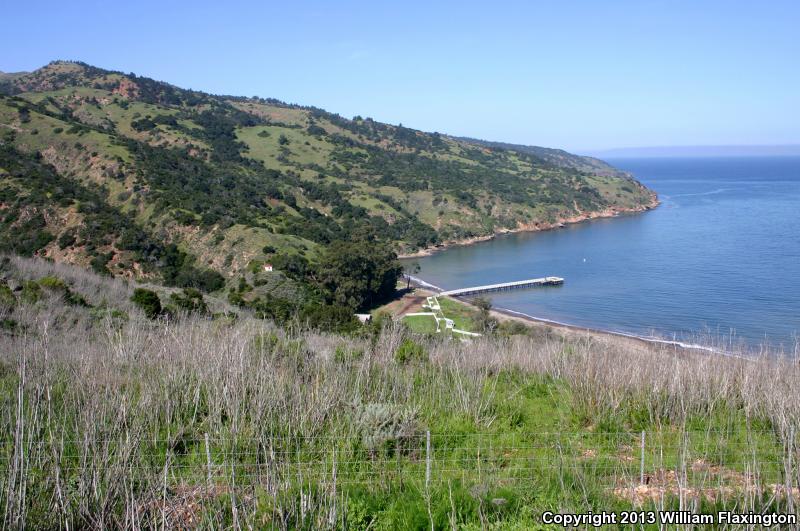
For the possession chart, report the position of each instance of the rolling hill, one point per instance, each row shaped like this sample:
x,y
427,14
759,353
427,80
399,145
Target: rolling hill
x,y
140,178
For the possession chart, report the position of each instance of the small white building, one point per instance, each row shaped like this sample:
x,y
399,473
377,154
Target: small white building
x,y
363,317
267,268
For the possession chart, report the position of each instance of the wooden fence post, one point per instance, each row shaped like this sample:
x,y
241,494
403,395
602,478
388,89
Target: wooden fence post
x,y
208,461
641,465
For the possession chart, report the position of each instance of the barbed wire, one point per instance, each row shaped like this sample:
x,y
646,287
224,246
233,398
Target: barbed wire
x,y
694,456
433,435
345,465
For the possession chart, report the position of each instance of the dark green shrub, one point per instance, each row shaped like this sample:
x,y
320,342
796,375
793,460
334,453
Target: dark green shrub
x,y
265,342
99,263
31,292
190,300
7,299
67,239
409,352
147,301
209,280
484,321
116,317
243,286
184,218
329,318
235,298
342,354
145,124
513,328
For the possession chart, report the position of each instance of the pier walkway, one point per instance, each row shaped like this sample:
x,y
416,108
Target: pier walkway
x,y
545,281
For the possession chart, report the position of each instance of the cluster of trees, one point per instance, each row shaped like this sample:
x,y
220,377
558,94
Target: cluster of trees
x,y
179,181
231,189
376,131
149,123
307,309
466,182
358,274
190,301
350,276
219,125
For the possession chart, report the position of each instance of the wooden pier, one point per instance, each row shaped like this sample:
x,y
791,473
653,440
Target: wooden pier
x,y
534,282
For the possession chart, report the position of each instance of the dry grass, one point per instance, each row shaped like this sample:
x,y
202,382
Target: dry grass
x,y
104,424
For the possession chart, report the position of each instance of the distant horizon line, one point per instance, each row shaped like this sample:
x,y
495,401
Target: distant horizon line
x,y
700,150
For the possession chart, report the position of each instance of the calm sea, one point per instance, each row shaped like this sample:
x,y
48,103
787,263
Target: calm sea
x,y
718,260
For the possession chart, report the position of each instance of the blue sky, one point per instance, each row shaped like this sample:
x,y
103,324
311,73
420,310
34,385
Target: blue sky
x,y
577,75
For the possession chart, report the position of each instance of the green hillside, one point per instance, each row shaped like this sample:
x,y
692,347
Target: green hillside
x,y
128,174
556,157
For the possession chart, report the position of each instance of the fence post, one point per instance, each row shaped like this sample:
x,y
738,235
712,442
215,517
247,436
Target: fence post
x,y
641,464
333,514
480,441
427,459
208,461
790,471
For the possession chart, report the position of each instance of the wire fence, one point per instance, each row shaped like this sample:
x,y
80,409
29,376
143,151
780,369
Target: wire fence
x,y
669,459
164,481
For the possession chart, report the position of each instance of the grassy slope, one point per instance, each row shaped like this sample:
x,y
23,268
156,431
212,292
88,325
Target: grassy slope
x,y
85,155
111,406
82,120
557,157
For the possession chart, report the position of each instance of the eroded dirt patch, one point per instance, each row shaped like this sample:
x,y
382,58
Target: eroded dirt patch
x,y
701,480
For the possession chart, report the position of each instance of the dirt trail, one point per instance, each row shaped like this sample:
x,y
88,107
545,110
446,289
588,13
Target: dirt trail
x,y
406,304
413,301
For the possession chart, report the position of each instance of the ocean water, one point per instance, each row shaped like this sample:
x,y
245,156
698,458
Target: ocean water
x,y
718,262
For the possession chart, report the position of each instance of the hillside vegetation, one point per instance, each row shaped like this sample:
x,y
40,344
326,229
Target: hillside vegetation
x,y
200,415
126,174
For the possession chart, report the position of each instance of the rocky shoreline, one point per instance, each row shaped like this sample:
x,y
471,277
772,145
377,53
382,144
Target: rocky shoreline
x,y
537,227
